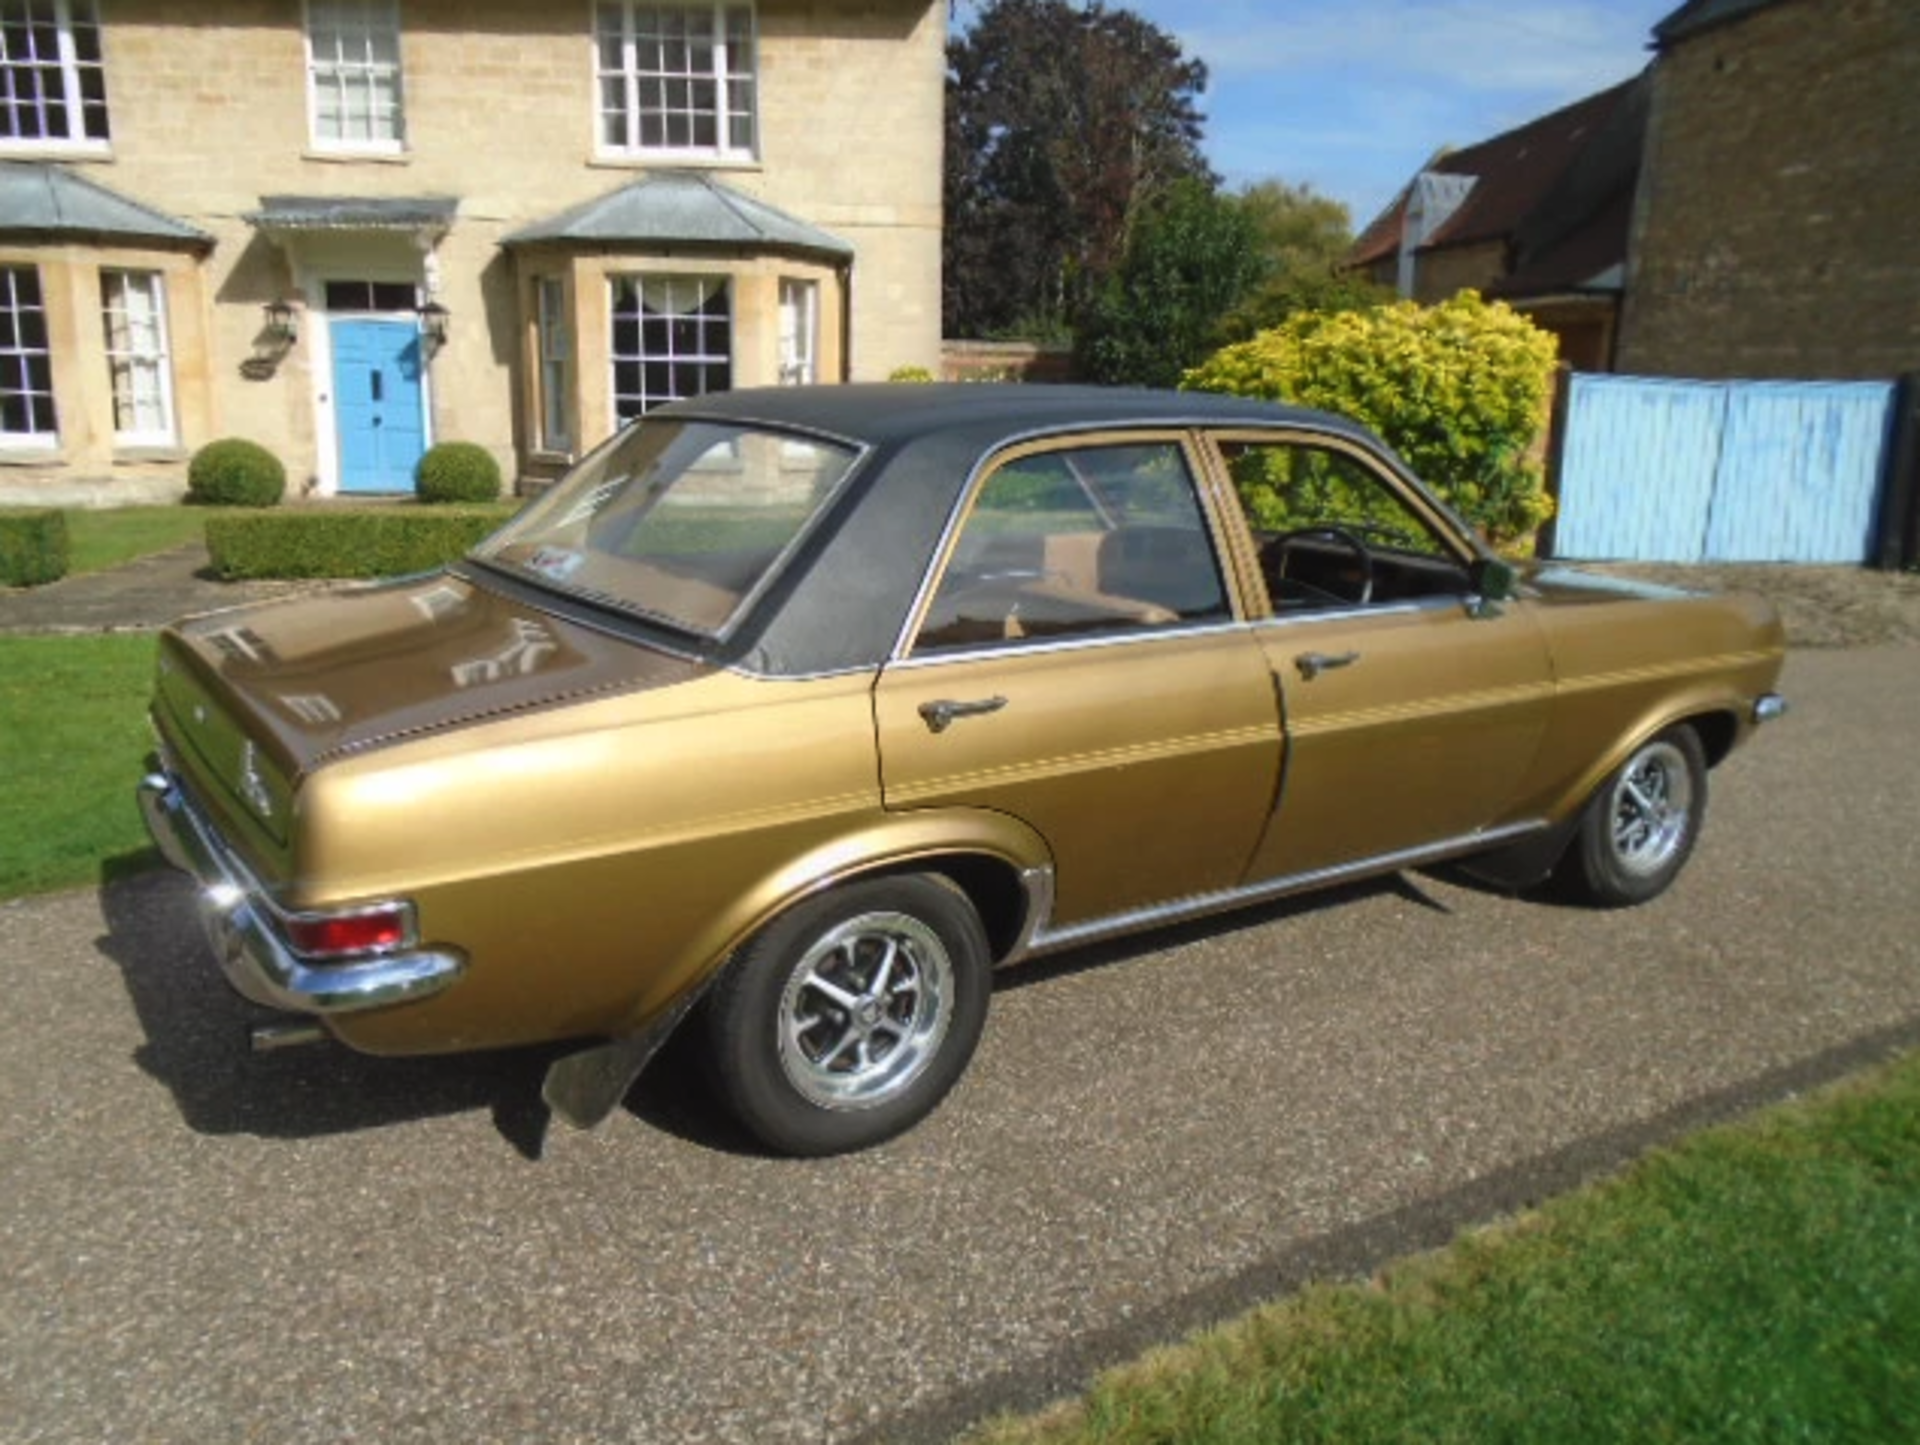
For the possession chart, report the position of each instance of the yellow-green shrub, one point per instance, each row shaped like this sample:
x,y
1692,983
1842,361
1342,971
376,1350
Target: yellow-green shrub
x,y
1459,389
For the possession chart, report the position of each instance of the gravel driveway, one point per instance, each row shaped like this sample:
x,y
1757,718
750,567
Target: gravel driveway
x,y
198,1245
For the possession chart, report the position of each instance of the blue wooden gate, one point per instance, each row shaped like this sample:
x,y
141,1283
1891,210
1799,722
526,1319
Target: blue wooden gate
x,y
1653,470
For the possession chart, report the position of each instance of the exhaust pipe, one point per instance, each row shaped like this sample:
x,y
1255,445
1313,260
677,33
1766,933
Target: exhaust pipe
x,y
270,1038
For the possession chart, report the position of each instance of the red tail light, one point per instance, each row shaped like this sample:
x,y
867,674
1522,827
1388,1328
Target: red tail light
x,y
333,935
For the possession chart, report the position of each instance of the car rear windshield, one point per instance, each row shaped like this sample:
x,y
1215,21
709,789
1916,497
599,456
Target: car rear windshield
x,y
678,522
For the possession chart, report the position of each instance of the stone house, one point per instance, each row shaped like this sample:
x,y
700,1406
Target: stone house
x,y
349,228
1536,216
1777,230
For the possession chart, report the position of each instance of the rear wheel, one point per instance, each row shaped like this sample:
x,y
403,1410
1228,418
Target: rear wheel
x,y
1639,830
847,1019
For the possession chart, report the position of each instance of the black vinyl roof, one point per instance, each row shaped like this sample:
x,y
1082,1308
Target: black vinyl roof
x,y
842,602
892,413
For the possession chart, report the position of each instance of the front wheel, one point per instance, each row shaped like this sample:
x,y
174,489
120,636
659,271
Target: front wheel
x,y
847,1019
1639,830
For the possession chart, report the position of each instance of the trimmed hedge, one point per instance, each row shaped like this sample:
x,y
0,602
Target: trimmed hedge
x,y
386,541
452,472
33,548
234,472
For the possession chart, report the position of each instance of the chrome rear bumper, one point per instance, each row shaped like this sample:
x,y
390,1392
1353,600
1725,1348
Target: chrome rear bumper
x,y
239,921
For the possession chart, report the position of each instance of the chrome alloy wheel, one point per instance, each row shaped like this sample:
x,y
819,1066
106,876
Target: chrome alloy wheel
x,y
864,1011
1650,809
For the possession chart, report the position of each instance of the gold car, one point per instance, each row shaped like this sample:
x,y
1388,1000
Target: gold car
x,y
812,706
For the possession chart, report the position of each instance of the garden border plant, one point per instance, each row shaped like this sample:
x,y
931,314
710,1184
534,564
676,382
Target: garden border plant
x,y
347,542
450,473
235,472
34,548
1460,390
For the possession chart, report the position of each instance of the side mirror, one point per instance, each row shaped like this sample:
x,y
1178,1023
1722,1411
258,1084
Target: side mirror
x,y
1493,579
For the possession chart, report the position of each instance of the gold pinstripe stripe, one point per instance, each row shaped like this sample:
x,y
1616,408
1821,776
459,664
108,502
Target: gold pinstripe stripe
x,y
1509,696
1063,766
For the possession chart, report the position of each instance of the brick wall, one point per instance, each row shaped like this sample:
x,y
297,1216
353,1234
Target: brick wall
x,y
1439,273
1777,227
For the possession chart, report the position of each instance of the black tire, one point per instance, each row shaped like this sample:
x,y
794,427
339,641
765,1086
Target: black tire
x,y
847,1019
1639,829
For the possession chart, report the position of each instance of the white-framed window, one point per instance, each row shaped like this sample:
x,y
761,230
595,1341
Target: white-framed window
x,y
133,312
353,75
799,332
27,416
556,359
53,80
676,79
672,337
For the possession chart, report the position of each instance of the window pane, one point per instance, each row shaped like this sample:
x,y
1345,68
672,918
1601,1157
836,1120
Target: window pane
x,y
678,328
679,522
1333,532
132,316
26,366
1087,542
356,71
683,63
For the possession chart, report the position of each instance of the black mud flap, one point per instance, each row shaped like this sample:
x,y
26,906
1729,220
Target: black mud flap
x,y
1524,864
585,1087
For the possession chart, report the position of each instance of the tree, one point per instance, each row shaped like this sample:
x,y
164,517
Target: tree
x,y
1304,236
1063,120
1190,259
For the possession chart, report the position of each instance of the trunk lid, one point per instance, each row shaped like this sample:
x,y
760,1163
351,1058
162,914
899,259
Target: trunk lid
x,y
261,694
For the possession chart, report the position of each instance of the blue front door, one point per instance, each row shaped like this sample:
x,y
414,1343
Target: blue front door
x,y
376,390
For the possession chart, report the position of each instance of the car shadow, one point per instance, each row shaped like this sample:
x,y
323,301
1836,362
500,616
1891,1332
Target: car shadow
x,y
197,1034
197,1044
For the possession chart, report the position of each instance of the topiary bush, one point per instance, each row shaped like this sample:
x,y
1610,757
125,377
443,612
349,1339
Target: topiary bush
x,y
234,472
918,375
457,472
33,548
341,541
1460,390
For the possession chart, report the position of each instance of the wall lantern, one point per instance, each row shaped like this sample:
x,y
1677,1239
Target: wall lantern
x,y
433,323
280,323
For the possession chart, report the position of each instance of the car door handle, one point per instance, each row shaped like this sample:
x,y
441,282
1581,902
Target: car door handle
x,y
939,716
1312,664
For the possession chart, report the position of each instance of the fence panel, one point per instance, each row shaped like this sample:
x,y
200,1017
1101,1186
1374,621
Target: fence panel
x,y
1637,468
1799,476
1654,470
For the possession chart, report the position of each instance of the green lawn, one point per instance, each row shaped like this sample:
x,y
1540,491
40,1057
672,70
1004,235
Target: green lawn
x,y
73,733
102,538
1757,1283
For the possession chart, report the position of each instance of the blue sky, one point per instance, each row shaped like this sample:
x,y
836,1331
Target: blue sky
x,y
1351,96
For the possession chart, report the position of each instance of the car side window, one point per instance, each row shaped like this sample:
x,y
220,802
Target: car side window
x,y
1083,541
1333,532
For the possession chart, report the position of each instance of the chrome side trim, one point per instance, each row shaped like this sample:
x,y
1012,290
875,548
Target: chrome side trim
x,y
1768,707
238,918
1037,647
1299,617
1179,910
